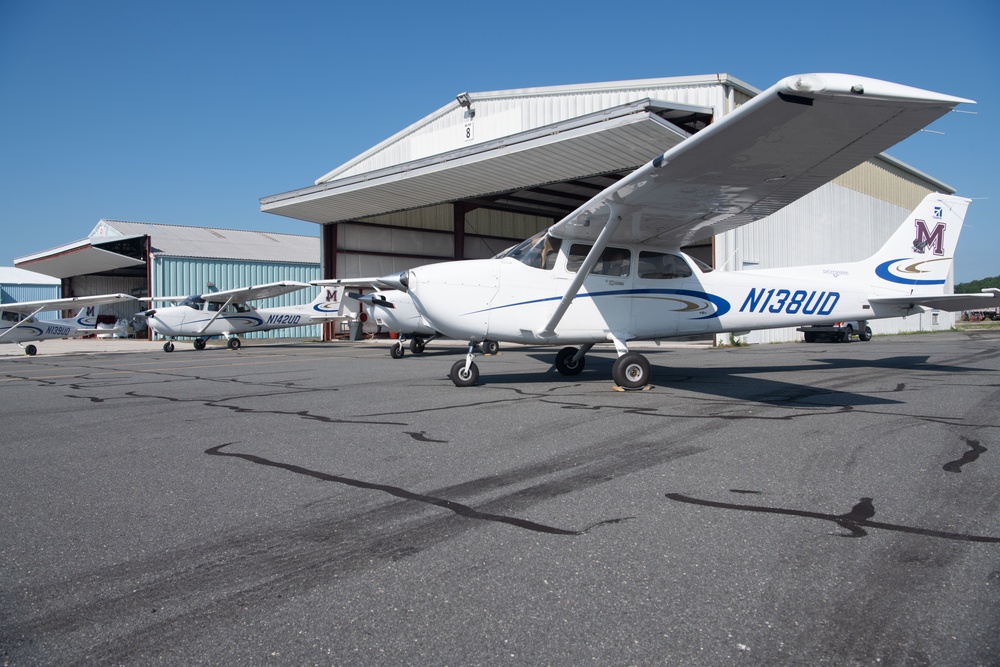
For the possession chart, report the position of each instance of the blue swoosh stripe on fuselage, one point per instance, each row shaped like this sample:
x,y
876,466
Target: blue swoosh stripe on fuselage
x,y
882,271
721,305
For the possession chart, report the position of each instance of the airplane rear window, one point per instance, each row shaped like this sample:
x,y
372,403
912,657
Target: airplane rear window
x,y
613,261
662,266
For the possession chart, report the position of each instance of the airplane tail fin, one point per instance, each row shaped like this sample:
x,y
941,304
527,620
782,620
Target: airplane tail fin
x,y
918,257
87,317
329,300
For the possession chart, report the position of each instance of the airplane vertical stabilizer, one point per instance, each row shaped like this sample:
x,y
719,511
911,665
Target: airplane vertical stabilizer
x,y
917,259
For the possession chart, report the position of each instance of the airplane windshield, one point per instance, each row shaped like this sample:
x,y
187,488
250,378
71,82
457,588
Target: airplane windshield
x,y
539,251
193,302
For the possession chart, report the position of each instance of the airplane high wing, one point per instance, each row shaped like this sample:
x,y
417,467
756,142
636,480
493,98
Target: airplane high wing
x,y
239,294
784,143
31,308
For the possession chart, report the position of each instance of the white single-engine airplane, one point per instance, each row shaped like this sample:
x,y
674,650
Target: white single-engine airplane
x,y
612,271
19,325
393,310
226,313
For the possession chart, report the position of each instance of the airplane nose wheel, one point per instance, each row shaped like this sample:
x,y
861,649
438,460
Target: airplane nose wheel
x,y
462,376
631,371
565,364
168,347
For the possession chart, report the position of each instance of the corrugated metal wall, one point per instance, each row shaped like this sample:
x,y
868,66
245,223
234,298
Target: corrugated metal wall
x,y
22,292
90,285
177,276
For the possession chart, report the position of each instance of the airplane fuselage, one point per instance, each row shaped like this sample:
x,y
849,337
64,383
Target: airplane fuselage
x,y
507,300
32,330
182,320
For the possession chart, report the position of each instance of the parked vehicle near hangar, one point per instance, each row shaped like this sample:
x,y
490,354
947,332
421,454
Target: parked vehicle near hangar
x,y
840,332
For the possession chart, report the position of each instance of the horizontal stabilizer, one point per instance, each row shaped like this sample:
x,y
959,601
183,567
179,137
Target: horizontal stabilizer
x,y
989,298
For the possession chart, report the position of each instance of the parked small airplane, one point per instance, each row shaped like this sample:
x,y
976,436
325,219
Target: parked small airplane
x,y
226,313
612,271
19,325
392,310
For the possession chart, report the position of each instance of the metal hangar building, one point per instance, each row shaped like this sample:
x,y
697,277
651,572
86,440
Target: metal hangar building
x,y
143,259
490,169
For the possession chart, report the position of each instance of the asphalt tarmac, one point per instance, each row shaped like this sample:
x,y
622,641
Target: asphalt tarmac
x,y
324,504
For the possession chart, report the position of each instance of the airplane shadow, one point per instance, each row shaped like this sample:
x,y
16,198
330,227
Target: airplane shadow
x,y
746,382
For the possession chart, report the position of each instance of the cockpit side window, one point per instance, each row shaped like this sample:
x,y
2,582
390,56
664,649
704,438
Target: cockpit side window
x,y
613,261
195,302
662,266
540,251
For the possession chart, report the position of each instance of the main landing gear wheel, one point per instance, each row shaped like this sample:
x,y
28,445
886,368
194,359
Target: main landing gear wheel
x,y
491,347
565,364
30,350
168,346
865,335
200,343
417,346
234,343
462,377
631,371
396,351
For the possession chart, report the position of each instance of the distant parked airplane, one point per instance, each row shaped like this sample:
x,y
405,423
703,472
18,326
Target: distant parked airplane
x,y
226,313
19,325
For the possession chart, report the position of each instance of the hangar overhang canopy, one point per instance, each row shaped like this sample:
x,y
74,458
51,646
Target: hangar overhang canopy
x,y
618,139
81,258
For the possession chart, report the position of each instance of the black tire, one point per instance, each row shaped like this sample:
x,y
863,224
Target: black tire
x,y
865,335
461,377
631,371
417,346
234,343
30,350
810,336
168,346
396,351
565,364
200,343
491,347
847,335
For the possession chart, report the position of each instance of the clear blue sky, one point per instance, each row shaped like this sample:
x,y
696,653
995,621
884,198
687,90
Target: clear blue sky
x,y
188,112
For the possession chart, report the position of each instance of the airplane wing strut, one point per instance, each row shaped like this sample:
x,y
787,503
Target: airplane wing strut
x,y
614,219
220,311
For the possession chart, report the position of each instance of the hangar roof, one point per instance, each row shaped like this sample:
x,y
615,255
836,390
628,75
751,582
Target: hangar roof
x,y
117,244
531,149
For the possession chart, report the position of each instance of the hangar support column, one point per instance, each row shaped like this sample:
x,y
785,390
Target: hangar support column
x,y
328,266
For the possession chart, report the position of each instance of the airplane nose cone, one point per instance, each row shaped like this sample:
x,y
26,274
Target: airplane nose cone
x,y
400,281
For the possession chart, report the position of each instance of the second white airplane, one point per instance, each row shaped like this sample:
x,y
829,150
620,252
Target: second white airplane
x,y
227,313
